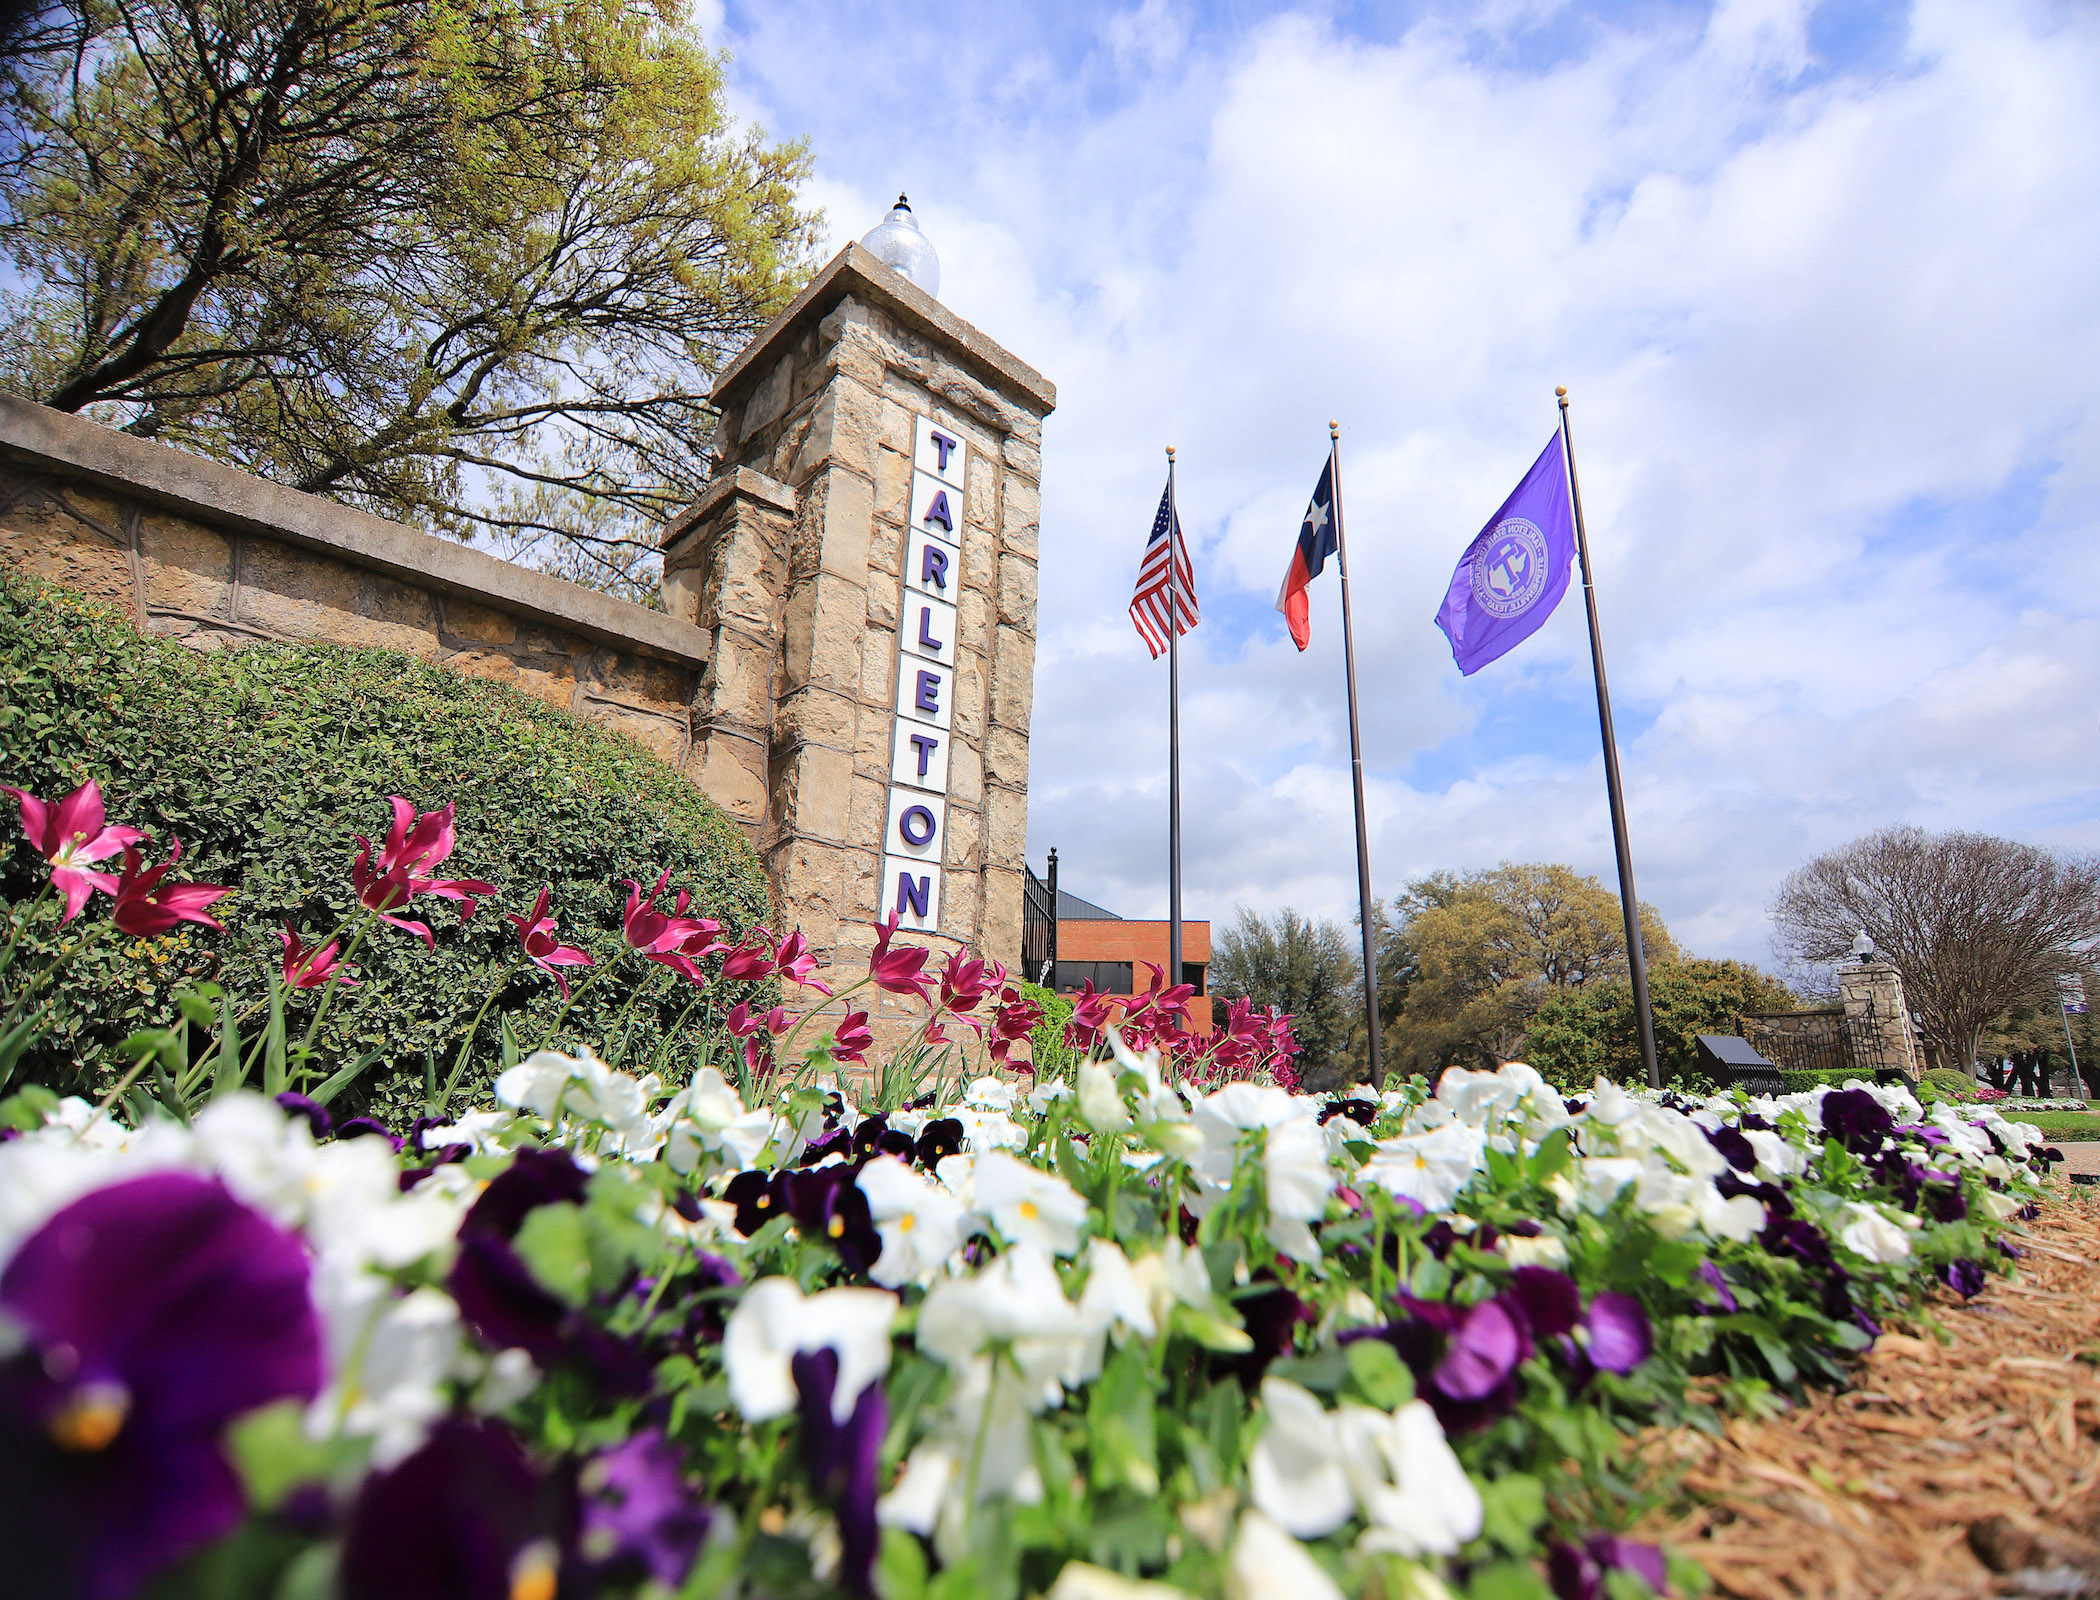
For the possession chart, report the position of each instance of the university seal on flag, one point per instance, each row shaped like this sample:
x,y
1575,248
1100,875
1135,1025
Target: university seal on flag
x,y
1510,569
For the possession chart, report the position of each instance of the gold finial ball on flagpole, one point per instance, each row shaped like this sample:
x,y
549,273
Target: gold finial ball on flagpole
x,y
1170,452
1561,389
1333,427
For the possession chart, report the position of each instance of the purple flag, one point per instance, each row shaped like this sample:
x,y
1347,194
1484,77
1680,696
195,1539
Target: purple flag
x,y
1512,576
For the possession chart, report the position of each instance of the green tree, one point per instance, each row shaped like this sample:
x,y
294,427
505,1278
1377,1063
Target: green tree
x,y
1580,1034
470,265
1309,970
1483,952
1975,924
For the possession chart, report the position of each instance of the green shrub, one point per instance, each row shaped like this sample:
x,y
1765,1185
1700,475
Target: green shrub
x,y
266,761
1800,1082
1047,1050
1950,1080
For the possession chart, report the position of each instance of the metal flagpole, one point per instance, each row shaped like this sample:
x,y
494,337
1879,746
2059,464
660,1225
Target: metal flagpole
x,y
2065,1011
1636,958
1173,728
1356,772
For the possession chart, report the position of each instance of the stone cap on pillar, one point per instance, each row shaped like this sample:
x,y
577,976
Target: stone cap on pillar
x,y
855,271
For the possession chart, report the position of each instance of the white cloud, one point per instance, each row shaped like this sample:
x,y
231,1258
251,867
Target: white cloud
x,y
1831,340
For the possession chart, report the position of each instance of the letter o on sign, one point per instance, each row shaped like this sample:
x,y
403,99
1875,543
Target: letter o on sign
x,y
917,826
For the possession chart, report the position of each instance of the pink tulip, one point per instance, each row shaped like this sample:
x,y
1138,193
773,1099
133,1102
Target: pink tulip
x,y
671,940
898,971
794,962
853,1038
145,910
743,1024
748,962
1015,1020
542,948
966,980
69,835
388,885
309,969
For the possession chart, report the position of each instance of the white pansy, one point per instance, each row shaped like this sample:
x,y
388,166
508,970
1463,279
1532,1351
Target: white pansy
x,y
556,1087
1868,1232
1611,1106
958,1175
1776,1157
1599,1179
775,1321
1114,1301
1175,1274
480,1131
1544,1250
1893,1098
1029,1205
1739,1217
1044,1096
1081,1580
914,1503
1295,1170
1018,1303
921,1223
1480,1099
1295,1474
710,1130
389,1357
1430,1169
2001,1207
1412,1491
989,1093
1100,1101
1268,1564
985,1131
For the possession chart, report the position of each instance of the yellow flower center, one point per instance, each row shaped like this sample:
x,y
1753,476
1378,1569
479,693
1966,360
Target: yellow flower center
x,y
532,1574
836,1227
907,1222
92,1418
1028,1211
1421,1163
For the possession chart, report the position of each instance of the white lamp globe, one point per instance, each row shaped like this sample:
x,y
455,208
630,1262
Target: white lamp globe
x,y
897,242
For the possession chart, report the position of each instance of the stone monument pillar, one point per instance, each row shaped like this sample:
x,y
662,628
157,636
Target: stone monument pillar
x,y
1877,1011
864,564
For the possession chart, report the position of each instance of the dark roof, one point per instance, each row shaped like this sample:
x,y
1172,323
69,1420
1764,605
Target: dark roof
x,y
1070,908
1732,1050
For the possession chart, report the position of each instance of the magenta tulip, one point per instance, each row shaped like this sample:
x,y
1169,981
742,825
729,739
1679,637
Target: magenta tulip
x,y
309,969
395,879
146,909
542,948
69,835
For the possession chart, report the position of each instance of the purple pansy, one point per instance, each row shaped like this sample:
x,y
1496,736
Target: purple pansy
x,y
155,1311
844,1461
1856,1120
467,1517
1578,1571
1618,1336
1722,1299
641,1519
1966,1278
312,1110
1734,1148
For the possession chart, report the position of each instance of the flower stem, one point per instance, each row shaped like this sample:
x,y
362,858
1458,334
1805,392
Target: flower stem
x,y
335,982
576,994
7,958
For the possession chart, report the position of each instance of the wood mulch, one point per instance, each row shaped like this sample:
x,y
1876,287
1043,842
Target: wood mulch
x,y
1962,1463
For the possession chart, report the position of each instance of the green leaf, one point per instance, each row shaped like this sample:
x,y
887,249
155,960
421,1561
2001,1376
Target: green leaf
x,y
1552,1156
342,1080
1121,1424
1323,1372
900,1568
273,1454
1507,1580
555,1245
1377,1373
1512,1507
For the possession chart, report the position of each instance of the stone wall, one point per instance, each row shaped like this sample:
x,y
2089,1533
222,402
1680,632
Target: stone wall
x,y
793,564
773,677
217,557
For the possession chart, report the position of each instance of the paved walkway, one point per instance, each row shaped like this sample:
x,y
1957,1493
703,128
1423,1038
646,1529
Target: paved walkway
x,y
2080,1160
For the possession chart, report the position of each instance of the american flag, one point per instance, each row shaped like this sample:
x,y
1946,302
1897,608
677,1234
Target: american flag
x,y
1149,606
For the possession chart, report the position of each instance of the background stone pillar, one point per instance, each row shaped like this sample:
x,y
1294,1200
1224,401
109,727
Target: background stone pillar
x,y
794,560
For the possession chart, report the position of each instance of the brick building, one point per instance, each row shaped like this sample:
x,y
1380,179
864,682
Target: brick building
x,y
1094,944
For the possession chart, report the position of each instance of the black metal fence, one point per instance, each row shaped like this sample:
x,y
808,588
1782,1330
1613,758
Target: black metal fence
x,y
1039,925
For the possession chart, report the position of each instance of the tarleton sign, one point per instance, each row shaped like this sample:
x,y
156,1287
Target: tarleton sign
x,y
928,627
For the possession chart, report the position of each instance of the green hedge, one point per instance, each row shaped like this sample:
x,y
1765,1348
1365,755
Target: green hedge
x,y
1800,1082
266,761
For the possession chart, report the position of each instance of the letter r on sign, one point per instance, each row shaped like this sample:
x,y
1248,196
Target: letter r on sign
x,y
933,567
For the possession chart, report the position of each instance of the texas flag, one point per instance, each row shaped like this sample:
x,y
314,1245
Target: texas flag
x,y
1316,542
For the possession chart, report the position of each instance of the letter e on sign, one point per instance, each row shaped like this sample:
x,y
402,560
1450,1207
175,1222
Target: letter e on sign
x,y
925,690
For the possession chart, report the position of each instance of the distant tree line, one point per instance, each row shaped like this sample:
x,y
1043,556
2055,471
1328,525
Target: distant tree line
x,y
1527,961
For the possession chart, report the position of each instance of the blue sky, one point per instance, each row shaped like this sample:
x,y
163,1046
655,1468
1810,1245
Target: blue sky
x,y
1820,280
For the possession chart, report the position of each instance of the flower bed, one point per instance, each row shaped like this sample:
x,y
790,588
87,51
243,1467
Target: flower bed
x,y
1159,1327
